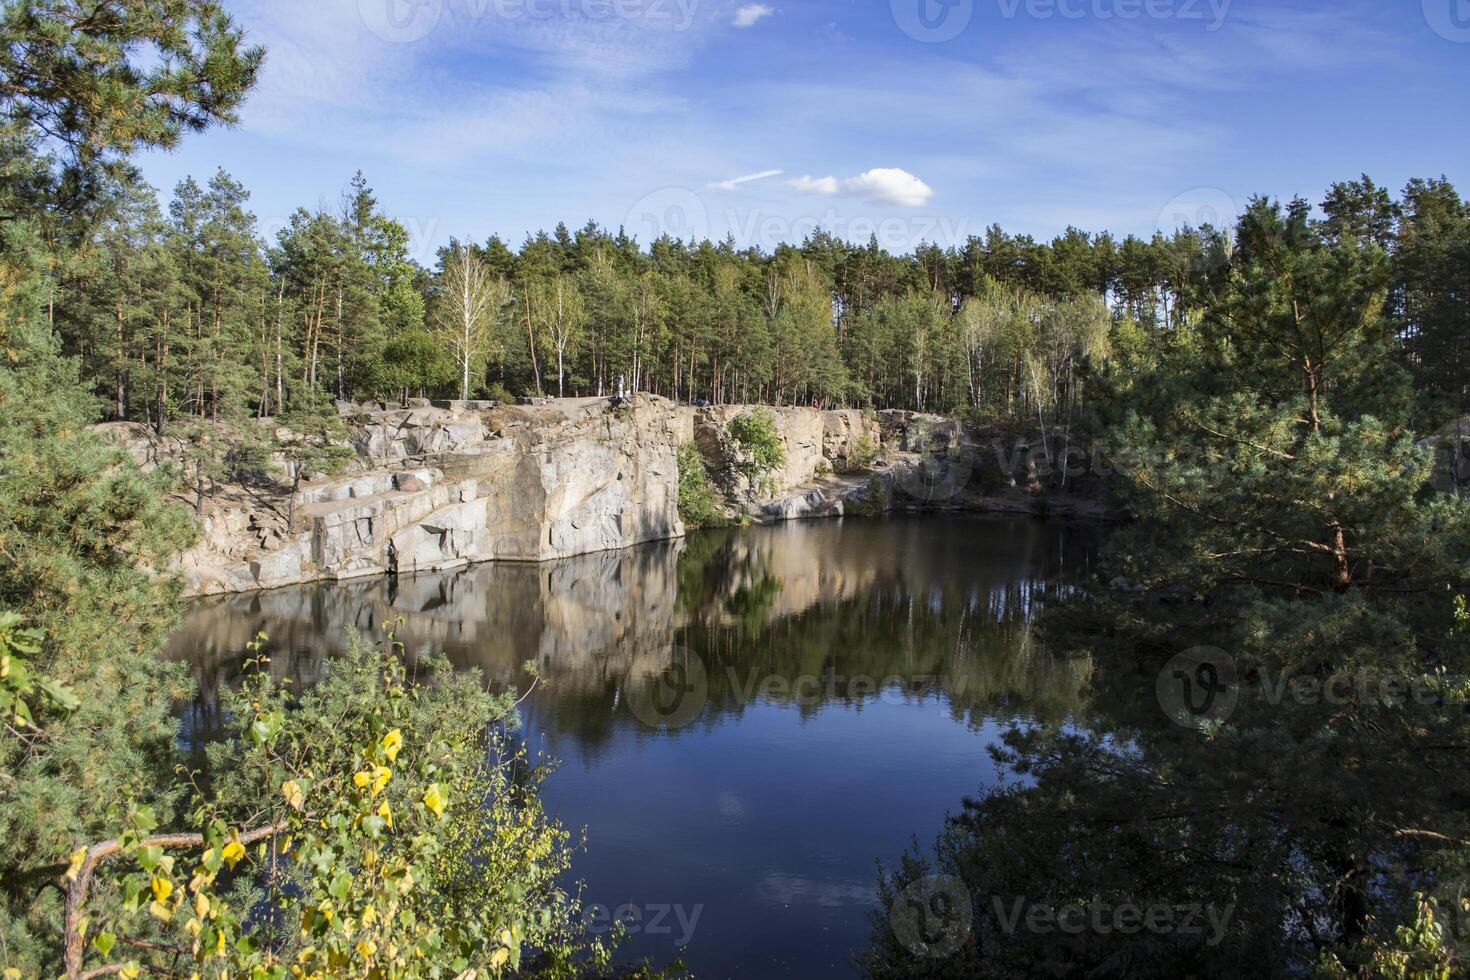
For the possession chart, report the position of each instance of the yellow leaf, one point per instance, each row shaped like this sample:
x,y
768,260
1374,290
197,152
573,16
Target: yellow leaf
x,y
233,853
162,889
130,972
367,949
194,927
361,779
201,905
74,867
434,800
386,813
369,916
500,957
291,790
391,743
160,911
380,779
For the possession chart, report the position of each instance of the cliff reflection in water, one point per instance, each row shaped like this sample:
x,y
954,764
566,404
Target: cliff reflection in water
x,y
801,613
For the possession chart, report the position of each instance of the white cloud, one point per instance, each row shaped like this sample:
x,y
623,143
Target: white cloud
x,y
734,182
748,15
889,185
814,185
885,185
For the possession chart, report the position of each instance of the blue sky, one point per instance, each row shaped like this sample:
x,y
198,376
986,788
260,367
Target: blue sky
x,y
911,119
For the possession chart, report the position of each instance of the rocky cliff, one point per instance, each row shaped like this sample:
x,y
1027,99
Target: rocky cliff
x,y
436,486
442,485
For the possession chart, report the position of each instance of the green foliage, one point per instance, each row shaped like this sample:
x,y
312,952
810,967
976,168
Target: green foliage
x,y
699,504
176,316
19,687
760,443
863,454
1282,518
412,361
1420,950
86,540
367,828
86,84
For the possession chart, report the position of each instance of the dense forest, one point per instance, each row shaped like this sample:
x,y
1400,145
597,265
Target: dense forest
x,y
189,312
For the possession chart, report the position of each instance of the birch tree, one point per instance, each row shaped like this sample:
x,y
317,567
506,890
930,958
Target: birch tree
x,y
471,298
563,316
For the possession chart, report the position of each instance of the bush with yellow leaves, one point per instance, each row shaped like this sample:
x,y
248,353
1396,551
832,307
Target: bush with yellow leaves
x,y
381,824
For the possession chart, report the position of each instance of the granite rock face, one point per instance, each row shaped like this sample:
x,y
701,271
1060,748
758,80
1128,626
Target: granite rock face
x,y
436,488
439,485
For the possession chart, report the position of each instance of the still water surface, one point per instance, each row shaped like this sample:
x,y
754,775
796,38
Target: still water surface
x,y
819,695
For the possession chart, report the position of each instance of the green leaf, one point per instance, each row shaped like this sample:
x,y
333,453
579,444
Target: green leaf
x,y
149,857
341,886
104,942
61,695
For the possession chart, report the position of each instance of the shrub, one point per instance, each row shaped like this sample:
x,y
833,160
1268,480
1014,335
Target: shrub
x,y
500,393
863,454
367,827
699,505
756,434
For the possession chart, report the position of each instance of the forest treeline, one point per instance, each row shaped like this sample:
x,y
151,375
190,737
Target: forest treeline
x,y
185,310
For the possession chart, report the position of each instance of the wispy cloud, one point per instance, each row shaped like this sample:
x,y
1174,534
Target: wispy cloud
x,y
752,13
884,185
734,182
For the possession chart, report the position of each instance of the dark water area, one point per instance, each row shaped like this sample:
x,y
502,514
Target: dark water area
x,y
748,722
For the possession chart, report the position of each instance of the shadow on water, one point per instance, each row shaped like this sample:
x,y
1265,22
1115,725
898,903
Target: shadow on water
x,y
748,720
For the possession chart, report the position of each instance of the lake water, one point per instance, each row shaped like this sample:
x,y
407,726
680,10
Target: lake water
x,y
748,722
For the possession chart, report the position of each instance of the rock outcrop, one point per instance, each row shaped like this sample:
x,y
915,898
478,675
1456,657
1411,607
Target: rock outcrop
x,y
438,487
444,484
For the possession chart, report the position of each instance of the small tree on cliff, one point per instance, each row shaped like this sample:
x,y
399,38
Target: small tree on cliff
x,y
757,435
